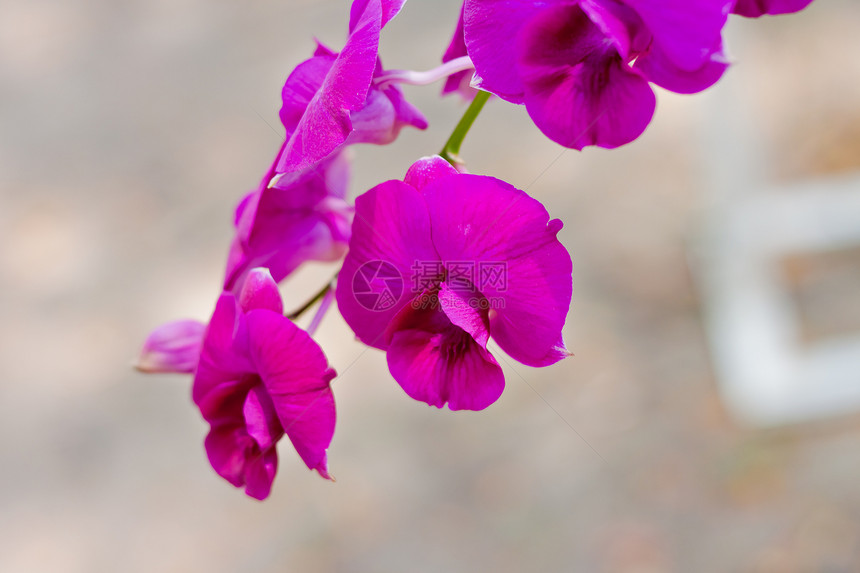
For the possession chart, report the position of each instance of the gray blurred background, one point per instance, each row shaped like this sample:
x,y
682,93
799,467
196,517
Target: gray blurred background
x,y
128,131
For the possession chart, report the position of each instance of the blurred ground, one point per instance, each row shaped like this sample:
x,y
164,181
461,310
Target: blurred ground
x,y
128,130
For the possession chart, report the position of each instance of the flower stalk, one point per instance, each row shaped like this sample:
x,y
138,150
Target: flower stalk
x,y
451,151
315,299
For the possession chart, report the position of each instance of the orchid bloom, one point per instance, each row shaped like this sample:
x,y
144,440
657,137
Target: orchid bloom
x,y
582,67
756,8
442,261
290,219
260,377
334,99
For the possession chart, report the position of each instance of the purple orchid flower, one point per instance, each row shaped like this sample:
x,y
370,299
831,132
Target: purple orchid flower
x,y
172,347
290,219
756,8
260,377
582,67
334,99
440,262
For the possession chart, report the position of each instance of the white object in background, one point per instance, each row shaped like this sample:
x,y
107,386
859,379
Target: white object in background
x,y
766,374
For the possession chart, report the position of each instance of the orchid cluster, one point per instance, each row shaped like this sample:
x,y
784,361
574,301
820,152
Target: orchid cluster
x,y
436,264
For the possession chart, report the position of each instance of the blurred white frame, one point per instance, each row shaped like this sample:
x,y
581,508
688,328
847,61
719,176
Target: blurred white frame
x,y
767,375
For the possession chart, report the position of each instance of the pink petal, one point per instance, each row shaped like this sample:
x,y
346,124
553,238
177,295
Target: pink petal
x,y
296,375
383,115
462,307
260,291
235,457
301,217
261,420
325,124
578,91
436,368
226,447
490,31
756,8
428,169
458,82
285,357
615,22
685,30
391,232
520,266
660,70
301,87
260,473
224,357
222,400
383,9
309,421
172,347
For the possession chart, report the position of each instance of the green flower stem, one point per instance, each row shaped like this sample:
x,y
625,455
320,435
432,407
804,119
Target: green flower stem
x,y
316,298
451,151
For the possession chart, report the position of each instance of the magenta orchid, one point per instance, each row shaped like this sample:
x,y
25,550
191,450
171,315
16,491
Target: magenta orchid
x,y
260,377
582,67
474,258
756,8
441,262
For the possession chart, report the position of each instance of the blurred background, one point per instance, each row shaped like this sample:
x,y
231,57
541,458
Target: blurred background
x,y
129,130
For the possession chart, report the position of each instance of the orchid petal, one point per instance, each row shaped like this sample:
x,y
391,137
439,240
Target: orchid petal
x,y
295,373
286,358
261,420
686,31
260,292
235,457
490,31
326,123
172,347
520,265
458,82
426,170
659,69
386,10
224,354
391,232
756,8
582,94
383,115
260,473
300,88
462,309
300,217
308,420
436,368
226,447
